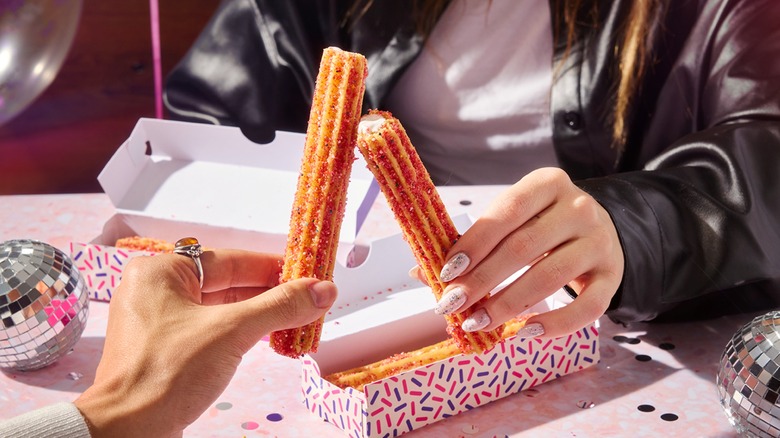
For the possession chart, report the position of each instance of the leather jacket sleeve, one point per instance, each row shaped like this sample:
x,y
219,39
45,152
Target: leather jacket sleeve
x,y
254,64
696,198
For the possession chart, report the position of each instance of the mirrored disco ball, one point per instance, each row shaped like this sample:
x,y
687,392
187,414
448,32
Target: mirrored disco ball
x,y
43,304
749,377
35,37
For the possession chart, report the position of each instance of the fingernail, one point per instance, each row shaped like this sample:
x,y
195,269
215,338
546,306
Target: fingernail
x,y
531,330
454,267
477,321
416,273
450,302
323,293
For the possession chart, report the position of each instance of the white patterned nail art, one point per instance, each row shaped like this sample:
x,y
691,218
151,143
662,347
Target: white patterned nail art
x,y
477,321
450,302
531,330
454,267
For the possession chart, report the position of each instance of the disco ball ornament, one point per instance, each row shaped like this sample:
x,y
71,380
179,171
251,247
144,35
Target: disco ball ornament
x,y
749,377
35,37
43,304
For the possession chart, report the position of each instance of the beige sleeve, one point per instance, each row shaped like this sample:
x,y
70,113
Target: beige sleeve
x,y
60,420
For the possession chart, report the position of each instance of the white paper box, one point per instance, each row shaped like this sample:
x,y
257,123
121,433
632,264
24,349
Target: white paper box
x,y
176,179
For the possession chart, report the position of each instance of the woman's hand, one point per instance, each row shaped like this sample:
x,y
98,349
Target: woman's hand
x,y
546,222
171,349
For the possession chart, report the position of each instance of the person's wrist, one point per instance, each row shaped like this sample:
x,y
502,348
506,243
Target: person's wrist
x,y
114,412
103,412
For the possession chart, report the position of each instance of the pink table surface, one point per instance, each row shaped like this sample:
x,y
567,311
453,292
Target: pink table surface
x,y
264,398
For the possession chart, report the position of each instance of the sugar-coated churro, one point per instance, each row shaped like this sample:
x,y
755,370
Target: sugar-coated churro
x,y
138,243
320,196
419,211
358,377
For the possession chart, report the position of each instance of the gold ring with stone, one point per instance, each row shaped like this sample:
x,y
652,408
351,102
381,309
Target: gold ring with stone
x,y
190,247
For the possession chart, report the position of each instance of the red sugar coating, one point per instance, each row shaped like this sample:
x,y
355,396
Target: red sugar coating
x,y
418,209
320,197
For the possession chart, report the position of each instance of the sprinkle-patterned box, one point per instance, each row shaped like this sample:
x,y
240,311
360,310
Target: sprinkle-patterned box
x,y
381,313
415,398
101,267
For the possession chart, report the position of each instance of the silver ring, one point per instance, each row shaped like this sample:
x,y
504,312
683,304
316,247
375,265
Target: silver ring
x,y
190,247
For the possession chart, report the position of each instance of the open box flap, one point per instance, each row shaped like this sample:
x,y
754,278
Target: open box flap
x,y
205,174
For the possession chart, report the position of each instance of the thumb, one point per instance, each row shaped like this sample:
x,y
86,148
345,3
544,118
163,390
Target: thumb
x,y
291,304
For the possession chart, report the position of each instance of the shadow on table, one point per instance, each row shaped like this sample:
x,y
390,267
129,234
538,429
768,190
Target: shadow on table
x,y
697,345
633,357
73,372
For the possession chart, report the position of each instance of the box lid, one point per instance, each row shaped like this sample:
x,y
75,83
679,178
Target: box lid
x,y
213,175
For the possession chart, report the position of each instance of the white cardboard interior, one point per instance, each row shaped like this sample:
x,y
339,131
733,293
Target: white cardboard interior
x,y
188,173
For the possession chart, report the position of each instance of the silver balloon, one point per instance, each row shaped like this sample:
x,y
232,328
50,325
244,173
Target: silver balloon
x,y
44,304
749,377
35,36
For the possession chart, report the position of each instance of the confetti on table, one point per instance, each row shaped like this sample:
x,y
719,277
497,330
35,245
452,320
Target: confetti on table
x,y
470,429
274,417
249,425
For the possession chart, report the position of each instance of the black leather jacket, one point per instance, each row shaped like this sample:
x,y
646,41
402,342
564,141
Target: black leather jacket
x,y
695,196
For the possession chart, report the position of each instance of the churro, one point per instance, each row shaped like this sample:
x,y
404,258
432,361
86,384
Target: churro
x,y
418,209
320,197
138,243
358,377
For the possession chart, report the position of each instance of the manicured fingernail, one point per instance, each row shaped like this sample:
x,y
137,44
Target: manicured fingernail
x,y
454,267
531,330
477,321
416,273
450,302
323,293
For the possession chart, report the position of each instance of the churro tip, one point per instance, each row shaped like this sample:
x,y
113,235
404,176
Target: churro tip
x,y
371,122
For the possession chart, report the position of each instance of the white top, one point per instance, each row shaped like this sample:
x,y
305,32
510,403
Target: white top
x,y
476,102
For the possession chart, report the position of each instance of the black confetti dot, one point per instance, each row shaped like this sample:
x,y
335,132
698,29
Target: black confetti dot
x,y
465,202
643,358
666,346
646,408
626,339
669,417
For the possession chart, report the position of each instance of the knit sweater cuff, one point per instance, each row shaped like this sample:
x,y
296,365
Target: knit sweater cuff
x,y
61,420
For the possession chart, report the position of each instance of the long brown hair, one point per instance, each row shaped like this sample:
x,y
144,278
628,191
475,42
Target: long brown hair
x,y
632,46
575,19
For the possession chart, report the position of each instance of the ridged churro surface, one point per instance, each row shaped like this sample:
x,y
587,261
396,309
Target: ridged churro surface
x,y
358,377
320,197
417,207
